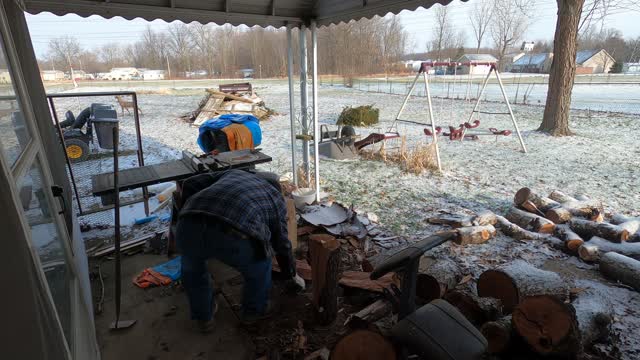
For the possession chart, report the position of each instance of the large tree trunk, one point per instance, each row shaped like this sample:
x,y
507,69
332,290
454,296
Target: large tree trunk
x,y
563,69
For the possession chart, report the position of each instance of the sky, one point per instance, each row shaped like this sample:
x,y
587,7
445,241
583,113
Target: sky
x,y
96,31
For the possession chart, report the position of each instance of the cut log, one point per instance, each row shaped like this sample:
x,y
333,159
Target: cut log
x,y
361,280
513,282
561,197
485,217
292,224
559,215
621,268
363,344
632,226
436,277
498,334
325,266
530,221
594,314
588,229
370,314
474,234
518,233
572,241
476,309
618,219
525,196
548,325
453,220
593,249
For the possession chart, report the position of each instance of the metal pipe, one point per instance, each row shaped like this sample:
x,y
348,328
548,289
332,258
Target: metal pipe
x,y
136,117
292,106
513,118
433,123
66,156
314,94
406,99
304,101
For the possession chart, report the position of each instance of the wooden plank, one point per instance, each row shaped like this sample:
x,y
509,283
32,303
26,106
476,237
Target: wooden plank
x,y
292,223
209,110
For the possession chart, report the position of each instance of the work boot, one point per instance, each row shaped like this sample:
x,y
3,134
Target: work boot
x,y
207,326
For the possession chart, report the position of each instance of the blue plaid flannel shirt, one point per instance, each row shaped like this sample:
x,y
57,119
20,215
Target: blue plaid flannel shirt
x,y
246,202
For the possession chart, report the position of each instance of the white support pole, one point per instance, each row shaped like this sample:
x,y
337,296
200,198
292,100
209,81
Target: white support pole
x,y
513,118
304,101
314,94
404,103
433,123
292,106
477,105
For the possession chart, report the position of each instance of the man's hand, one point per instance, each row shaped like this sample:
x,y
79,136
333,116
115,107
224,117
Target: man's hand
x,y
296,284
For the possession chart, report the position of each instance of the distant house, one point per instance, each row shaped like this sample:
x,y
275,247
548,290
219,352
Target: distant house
x,y
527,46
52,75
247,73
79,75
631,68
153,75
533,63
127,73
594,62
479,64
509,59
5,76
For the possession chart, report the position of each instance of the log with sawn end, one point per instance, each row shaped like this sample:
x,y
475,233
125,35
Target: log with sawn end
x,y
592,250
530,221
525,198
588,229
474,234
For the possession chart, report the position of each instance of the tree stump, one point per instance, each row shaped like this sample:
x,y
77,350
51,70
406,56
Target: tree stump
x,y
513,282
548,325
325,267
363,344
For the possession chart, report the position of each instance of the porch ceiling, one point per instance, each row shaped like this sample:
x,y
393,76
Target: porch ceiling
x,y
276,13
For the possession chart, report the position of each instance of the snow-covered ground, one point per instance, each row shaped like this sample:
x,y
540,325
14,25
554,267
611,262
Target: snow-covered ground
x,y
601,160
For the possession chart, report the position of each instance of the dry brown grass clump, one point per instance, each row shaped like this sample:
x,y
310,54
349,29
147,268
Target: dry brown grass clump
x,y
414,160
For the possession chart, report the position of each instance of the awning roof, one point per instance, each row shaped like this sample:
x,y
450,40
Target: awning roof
x,y
276,13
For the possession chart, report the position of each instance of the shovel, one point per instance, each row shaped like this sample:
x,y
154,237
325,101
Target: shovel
x,y
117,324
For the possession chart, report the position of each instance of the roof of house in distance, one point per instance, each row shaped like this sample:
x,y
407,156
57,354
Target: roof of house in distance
x,y
584,55
532,59
478,57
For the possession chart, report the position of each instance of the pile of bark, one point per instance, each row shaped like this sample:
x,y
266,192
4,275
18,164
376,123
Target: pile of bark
x,y
217,102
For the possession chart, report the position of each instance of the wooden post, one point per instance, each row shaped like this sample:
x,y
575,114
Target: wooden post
x,y
325,267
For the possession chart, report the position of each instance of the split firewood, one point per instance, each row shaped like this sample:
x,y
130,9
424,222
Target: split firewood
x,y
485,217
436,277
587,229
476,309
513,282
453,220
370,314
589,209
474,234
530,221
548,325
325,267
498,334
519,233
593,249
528,200
572,241
621,268
361,280
363,344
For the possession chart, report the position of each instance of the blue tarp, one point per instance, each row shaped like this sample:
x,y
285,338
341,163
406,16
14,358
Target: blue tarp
x,y
171,269
222,121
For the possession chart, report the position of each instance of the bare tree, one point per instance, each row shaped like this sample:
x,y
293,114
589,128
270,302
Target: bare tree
x,y
442,32
394,42
111,55
480,19
64,49
180,45
203,38
509,22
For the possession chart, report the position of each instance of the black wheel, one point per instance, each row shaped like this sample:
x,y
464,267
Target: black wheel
x,y
77,150
347,131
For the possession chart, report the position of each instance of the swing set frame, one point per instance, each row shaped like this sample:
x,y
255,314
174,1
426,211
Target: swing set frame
x,y
424,70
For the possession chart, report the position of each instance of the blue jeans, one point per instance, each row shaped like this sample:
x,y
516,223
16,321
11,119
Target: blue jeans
x,y
200,238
